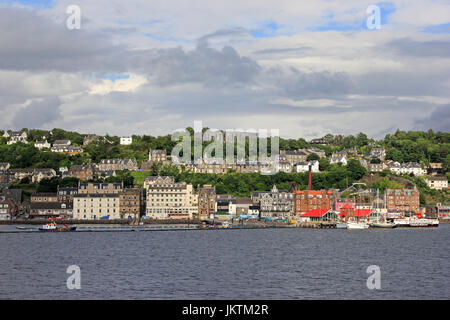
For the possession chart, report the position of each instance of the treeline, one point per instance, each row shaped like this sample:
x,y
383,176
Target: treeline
x,y
419,146
243,184
51,185
416,146
21,155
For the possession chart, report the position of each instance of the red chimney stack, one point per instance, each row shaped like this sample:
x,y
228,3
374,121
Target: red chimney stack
x,y
309,179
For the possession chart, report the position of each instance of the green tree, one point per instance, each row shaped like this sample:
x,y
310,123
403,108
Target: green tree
x,y
312,157
324,164
356,170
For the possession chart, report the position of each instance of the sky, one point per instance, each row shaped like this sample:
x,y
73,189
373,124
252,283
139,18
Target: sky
x,y
307,68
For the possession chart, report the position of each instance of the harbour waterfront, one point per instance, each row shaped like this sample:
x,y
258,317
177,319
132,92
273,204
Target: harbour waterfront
x,y
284,263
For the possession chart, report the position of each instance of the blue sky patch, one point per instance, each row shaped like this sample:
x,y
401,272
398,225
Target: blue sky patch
x,y
386,8
268,30
140,23
37,4
165,39
340,26
439,28
115,76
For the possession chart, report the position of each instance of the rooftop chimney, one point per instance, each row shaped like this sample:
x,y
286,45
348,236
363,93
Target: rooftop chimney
x,y
309,179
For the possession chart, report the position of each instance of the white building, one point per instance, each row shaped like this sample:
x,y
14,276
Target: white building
x,y
393,166
339,157
16,136
126,141
42,144
285,166
412,168
167,199
62,143
96,206
304,166
437,183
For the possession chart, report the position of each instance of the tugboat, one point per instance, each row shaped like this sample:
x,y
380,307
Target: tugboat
x,y
48,227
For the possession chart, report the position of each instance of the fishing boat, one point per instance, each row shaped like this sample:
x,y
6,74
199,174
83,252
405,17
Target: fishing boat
x,y
48,227
53,227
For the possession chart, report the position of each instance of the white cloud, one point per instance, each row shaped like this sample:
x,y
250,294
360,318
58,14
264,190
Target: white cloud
x,y
122,85
305,83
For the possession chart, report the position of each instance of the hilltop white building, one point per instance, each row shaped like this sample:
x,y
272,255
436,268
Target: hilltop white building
x,y
126,141
304,166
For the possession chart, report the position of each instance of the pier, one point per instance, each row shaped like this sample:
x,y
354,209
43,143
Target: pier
x,y
317,224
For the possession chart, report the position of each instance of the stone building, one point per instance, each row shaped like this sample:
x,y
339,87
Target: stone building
x,y
274,204
118,164
100,188
157,155
437,183
8,209
206,202
130,203
293,156
167,199
83,172
39,174
65,194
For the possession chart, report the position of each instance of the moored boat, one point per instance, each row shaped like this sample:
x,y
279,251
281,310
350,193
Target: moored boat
x,y
54,227
48,227
357,225
341,225
386,225
414,222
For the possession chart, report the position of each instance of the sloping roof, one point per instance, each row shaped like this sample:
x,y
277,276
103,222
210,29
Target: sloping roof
x,y
437,178
295,152
358,212
51,205
13,194
315,213
244,201
57,142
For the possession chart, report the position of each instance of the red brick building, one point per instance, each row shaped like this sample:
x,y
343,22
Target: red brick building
x,y
307,200
404,201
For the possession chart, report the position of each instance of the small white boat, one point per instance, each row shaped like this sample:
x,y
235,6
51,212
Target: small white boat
x,y
383,224
341,225
357,225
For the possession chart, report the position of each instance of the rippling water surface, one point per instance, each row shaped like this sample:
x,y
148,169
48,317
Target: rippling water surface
x,y
227,264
